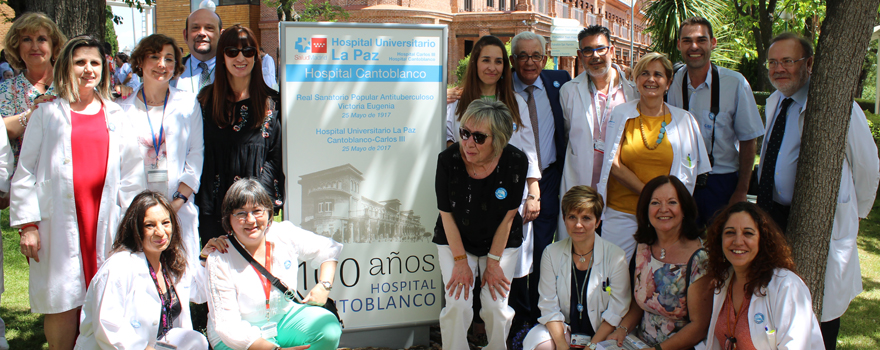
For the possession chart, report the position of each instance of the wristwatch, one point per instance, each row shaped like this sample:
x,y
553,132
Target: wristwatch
x,y
327,285
177,195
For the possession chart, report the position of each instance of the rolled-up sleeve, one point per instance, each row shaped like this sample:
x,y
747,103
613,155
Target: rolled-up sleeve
x,y
309,246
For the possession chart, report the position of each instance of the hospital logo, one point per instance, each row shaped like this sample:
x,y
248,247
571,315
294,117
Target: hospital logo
x,y
319,45
303,45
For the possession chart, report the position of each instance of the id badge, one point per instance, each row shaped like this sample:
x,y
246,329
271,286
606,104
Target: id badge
x,y
157,175
579,340
599,146
269,330
165,346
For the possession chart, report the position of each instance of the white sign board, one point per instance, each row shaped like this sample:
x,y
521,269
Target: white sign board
x,y
363,108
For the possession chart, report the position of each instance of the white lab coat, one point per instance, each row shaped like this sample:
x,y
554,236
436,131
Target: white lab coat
x,y
237,300
786,307
578,108
185,148
858,187
689,156
523,138
42,192
122,307
6,162
609,265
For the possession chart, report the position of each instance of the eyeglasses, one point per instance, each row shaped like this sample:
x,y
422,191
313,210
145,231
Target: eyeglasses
x,y
232,52
524,58
479,137
243,215
771,64
601,50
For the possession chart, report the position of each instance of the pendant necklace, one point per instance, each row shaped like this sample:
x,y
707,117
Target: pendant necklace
x,y
663,250
581,287
582,255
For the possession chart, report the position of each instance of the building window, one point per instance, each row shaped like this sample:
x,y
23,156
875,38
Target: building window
x,y
502,5
468,5
490,3
325,207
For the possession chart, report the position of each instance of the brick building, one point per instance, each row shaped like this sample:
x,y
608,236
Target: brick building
x,y
468,20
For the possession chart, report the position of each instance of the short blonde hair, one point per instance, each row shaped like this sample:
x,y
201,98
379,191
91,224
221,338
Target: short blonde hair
x,y
642,64
582,197
494,113
65,79
31,22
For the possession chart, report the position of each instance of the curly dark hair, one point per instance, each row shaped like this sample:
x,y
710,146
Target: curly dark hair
x,y
645,233
773,250
130,234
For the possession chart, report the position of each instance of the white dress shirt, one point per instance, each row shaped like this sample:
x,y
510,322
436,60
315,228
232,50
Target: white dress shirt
x,y
546,126
737,120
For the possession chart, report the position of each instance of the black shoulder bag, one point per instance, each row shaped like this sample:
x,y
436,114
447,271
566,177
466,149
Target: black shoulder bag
x,y
291,294
702,179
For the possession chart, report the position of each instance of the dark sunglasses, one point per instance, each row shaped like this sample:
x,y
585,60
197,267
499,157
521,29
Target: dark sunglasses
x,y
479,137
232,52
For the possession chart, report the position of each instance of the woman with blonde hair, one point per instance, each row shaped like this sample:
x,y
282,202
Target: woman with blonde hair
x,y
76,173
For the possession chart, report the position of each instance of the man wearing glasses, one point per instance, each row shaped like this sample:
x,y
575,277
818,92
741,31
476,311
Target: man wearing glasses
x,y
540,89
587,102
790,63
722,102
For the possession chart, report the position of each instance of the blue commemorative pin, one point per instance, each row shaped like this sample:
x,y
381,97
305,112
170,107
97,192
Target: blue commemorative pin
x,y
500,193
514,126
111,126
759,318
287,265
555,83
711,116
135,323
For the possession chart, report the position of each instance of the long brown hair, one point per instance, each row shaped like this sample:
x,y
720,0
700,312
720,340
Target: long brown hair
x,y
645,232
130,234
773,250
65,79
218,96
503,89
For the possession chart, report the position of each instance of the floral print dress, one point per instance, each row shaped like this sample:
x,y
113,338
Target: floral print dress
x,y
660,290
17,96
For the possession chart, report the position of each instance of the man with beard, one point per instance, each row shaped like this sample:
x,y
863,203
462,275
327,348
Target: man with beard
x,y
540,89
587,102
790,63
722,102
202,32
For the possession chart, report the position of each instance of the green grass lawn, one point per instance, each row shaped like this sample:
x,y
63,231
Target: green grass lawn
x,y
860,326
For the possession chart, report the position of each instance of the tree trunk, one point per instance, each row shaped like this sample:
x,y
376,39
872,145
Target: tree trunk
x,y
73,17
844,40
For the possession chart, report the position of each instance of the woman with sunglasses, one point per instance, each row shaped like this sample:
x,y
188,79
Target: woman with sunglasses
x,y
242,129
478,183
76,171
759,302
167,124
247,311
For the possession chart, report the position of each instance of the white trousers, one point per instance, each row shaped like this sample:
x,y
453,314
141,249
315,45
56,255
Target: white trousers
x,y
186,339
619,228
539,335
456,317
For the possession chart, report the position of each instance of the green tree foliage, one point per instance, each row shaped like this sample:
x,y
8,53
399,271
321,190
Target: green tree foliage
x,y
311,11
665,16
110,32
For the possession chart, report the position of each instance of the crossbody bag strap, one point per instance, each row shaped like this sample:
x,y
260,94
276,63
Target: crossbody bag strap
x,y
278,283
714,108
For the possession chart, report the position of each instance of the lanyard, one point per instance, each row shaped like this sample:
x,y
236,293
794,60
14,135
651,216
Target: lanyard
x,y
156,143
167,303
594,97
267,286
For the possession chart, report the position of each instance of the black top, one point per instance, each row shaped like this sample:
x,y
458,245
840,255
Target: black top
x,y
235,152
479,206
580,321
